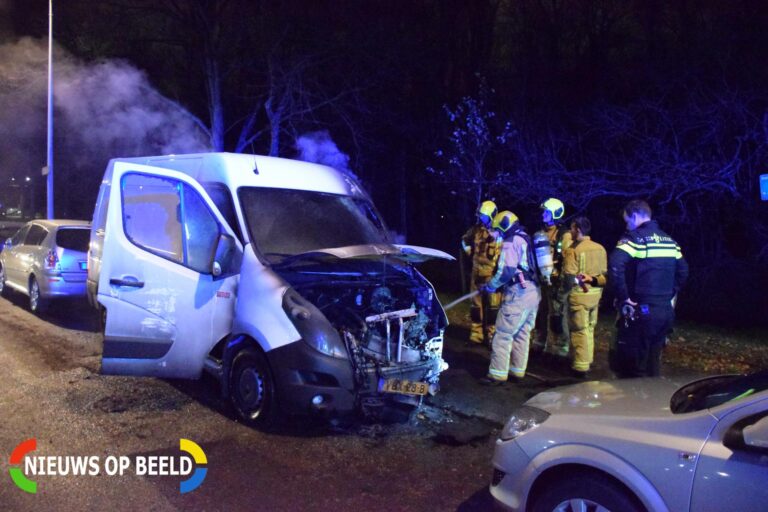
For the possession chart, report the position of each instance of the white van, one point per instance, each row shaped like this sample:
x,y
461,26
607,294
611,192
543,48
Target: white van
x,y
276,276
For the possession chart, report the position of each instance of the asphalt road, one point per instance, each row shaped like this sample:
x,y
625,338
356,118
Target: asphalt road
x,y
52,391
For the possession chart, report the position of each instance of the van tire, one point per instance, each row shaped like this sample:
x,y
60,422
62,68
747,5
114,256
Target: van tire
x,y
36,303
252,389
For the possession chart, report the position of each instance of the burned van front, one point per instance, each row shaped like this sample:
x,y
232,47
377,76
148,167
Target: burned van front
x,y
372,323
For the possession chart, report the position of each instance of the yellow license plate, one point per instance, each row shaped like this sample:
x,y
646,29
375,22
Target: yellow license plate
x,y
406,387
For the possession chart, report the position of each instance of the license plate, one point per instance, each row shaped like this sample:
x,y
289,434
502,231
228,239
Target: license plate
x,y
402,386
83,265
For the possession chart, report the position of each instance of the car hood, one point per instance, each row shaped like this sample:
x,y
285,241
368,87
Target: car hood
x,y
649,397
410,253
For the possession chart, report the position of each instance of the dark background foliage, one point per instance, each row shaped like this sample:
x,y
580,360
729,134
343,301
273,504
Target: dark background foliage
x,y
441,102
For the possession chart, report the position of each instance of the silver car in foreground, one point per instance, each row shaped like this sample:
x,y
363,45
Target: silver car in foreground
x,y
638,445
46,259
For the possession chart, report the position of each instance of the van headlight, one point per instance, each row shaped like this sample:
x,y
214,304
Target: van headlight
x,y
312,325
523,420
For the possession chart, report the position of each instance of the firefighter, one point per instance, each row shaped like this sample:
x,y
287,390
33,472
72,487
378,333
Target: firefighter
x,y
552,332
646,271
482,247
516,273
585,264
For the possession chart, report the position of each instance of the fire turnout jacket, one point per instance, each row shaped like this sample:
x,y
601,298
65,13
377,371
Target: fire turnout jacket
x,y
483,248
559,240
512,261
585,257
647,266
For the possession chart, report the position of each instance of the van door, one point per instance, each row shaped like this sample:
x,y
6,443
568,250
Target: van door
x,y
169,274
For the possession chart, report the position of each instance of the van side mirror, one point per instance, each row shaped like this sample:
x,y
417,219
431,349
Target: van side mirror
x,y
751,437
225,259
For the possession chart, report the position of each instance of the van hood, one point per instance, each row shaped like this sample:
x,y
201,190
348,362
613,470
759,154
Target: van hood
x,y
409,253
648,397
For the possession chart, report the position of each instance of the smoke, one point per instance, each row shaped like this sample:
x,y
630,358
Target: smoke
x,y
102,110
319,148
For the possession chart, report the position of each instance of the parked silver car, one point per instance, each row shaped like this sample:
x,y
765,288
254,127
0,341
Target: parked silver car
x,y
46,259
638,445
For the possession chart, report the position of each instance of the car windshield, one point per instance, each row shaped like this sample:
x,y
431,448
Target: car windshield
x,y
75,239
714,391
283,222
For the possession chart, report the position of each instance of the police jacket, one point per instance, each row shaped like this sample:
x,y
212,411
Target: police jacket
x,y
647,266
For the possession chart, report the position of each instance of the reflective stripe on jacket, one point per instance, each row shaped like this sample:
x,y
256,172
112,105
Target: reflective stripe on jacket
x,y
647,266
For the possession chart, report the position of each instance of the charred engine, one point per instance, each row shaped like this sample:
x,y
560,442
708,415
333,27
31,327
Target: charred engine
x,y
390,321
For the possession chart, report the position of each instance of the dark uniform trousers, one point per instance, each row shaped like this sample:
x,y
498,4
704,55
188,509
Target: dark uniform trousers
x,y
639,342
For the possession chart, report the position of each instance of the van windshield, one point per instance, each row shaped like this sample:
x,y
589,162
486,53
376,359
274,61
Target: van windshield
x,y
284,222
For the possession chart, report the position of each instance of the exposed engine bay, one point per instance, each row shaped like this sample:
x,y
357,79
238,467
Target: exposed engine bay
x,y
389,318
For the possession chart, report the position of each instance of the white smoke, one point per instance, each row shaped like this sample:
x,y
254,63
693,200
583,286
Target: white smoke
x,y
107,108
319,148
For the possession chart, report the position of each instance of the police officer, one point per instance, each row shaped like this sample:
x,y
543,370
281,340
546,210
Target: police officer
x,y
645,270
483,247
585,265
552,332
516,273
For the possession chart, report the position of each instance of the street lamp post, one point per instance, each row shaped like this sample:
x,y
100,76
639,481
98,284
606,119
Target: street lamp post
x,y
49,182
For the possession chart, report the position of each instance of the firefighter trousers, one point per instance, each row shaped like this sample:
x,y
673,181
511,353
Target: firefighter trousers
x,y
482,311
517,317
582,318
558,337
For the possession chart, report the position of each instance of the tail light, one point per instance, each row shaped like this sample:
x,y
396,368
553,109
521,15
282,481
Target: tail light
x,y
51,260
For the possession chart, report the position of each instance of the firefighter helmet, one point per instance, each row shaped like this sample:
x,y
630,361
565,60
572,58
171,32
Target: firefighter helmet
x,y
555,207
503,221
486,212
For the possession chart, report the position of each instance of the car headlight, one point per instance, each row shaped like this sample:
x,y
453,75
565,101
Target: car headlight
x,y
312,325
524,419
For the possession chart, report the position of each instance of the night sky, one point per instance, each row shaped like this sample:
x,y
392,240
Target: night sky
x,y
432,104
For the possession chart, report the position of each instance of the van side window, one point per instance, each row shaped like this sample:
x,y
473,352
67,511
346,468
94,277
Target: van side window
x,y
152,214
36,235
170,219
201,232
222,198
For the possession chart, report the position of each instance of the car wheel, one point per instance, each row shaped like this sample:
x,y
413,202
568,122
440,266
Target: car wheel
x,y
36,303
591,493
252,389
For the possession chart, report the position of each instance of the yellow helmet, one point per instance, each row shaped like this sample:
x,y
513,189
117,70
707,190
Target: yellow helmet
x,y
486,212
503,221
555,207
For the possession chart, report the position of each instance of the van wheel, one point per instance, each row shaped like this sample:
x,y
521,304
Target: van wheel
x,y
36,303
594,492
252,389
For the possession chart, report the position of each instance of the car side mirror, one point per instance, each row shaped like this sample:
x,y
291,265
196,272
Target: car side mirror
x,y
756,435
225,260
8,244
752,436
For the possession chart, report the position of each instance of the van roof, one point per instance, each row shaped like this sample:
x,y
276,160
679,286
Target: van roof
x,y
238,170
